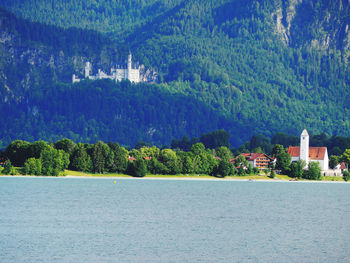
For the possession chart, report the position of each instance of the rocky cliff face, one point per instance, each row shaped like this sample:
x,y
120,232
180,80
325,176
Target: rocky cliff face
x,y
24,67
317,24
283,17
26,62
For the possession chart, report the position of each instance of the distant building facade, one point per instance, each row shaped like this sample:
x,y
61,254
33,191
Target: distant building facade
x,y
130,73
118,74
309,154
258,160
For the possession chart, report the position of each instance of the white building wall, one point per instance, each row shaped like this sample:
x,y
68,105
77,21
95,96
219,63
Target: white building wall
x,y
295,158
323,163
75,79
132,74
121,74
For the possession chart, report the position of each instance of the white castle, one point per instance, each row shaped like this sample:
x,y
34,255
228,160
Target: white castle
x,y
117,74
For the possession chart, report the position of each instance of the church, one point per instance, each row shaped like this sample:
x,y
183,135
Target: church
x,y
309,154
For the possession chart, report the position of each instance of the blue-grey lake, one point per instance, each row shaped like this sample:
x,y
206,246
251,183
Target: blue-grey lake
x,y
97,220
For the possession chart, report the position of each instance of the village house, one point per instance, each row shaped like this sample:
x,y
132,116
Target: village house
x,y
341,167
258,160
338,170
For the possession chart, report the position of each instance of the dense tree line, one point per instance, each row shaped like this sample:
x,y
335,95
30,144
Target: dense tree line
x,y
50,159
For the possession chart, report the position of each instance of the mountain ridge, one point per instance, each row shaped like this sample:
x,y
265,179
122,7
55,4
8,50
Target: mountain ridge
x,y
231,57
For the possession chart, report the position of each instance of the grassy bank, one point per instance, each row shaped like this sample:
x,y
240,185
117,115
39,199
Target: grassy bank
x,y
332,178
261,176
194,176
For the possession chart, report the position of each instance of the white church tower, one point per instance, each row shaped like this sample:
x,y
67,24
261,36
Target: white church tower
x,y
304,147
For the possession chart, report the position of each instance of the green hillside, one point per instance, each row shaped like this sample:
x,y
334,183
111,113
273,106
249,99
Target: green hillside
x,y
260,67
236,61
102,110
102,15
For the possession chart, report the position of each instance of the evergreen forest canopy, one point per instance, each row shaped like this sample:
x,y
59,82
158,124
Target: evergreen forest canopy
x,y
235,65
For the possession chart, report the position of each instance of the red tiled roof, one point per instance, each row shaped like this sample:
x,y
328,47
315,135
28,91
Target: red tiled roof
x,y
131,159
253,156
294,151
315,153
342,166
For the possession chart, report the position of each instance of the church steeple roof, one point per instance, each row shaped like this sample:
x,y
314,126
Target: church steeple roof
x,y
304,133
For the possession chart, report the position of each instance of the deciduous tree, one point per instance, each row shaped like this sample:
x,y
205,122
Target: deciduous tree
x,y
137,168
283,162
297,169
32,166
313,172
53,161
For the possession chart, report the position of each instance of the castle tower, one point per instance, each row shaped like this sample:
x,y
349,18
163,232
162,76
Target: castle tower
x,y
129,66
87,69
304,147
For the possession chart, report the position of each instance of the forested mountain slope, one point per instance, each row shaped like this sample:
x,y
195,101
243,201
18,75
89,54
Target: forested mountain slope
x,y
38,100
101,15
263,66
33,54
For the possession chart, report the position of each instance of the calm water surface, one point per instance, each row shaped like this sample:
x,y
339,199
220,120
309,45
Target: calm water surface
x,y
95,220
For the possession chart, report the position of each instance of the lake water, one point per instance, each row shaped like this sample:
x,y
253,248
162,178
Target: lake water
x,y
95,220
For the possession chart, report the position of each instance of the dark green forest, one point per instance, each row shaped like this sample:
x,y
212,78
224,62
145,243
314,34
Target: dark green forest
x,y
221,64
103,110
102,15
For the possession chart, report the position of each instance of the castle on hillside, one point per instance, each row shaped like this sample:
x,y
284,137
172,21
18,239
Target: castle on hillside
x,y
117,73
309,154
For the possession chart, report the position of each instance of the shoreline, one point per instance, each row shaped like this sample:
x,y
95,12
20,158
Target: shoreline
x,y
166,178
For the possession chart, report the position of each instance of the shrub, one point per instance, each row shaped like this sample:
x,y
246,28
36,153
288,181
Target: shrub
x,y
156,167
8,168
313,172
346,176
225,168
137,168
